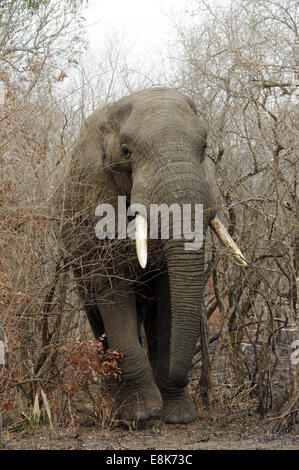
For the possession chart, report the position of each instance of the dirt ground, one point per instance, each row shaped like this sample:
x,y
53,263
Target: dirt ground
x,y
229,424
237,431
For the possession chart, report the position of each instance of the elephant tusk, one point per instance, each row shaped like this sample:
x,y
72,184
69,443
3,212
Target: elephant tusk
x,y
141,239
227,240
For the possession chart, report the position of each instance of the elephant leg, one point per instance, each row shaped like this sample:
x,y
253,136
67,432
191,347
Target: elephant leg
x,y
138,397
85,291
96,322
177,407
150,322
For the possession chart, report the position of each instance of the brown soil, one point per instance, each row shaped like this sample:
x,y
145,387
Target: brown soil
x,y
232,422
211,431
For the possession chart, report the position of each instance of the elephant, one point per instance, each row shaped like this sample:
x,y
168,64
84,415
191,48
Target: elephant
x,y
149,148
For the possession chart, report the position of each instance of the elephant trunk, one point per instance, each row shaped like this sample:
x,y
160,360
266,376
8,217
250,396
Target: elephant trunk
x,y
185,269
185,266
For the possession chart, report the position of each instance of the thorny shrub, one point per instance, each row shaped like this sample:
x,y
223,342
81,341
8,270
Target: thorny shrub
x,y
81,373
252,314
82,365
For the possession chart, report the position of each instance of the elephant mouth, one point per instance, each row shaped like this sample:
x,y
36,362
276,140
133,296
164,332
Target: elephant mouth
x,y
215,224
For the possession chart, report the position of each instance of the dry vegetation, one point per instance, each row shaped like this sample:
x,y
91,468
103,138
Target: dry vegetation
x,y
240,65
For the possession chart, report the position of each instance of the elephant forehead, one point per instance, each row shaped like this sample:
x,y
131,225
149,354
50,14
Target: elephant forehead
x,y
155,125
163,106
151,101
160,116
158,94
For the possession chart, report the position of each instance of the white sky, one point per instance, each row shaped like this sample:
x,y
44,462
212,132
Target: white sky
x,y
145,25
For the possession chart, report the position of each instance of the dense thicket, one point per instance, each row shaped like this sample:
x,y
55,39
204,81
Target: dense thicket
x,y
240,65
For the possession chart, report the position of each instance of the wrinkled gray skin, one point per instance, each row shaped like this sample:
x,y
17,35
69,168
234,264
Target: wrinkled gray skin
x,y
166,139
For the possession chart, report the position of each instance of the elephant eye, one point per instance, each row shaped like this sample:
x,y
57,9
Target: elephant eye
x,y
124,151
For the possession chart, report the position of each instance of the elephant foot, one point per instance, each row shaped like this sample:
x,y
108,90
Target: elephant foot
x,y
137,402
178,410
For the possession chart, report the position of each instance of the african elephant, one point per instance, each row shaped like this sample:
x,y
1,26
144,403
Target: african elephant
x,y
149,147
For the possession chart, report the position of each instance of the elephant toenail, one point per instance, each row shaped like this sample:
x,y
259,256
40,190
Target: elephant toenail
x,y
173,419
155,411
141,416
188,419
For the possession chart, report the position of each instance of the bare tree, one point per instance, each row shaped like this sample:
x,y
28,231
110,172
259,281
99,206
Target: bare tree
x,y
50,88
240,64
40,47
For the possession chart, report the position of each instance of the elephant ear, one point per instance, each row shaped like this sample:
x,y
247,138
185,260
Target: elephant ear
x,y
192,105
202,129
112,117
115,174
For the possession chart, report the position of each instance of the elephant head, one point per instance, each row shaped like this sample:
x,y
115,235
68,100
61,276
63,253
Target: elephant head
x,y
150,147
